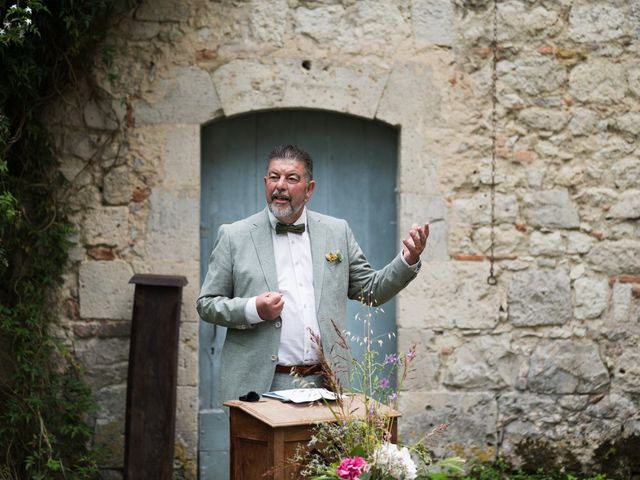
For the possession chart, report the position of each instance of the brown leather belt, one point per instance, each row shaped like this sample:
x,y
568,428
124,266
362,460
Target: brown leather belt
x,y
300,370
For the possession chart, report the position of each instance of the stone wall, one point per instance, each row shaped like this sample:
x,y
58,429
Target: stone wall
x,y
546,361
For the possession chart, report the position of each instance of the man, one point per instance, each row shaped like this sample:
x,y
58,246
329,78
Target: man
x,y
287,271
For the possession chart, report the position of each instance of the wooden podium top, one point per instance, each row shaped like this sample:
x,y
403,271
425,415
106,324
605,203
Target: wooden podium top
x,y
285,414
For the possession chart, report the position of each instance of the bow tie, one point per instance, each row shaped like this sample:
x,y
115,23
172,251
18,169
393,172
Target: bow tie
x,y
284,228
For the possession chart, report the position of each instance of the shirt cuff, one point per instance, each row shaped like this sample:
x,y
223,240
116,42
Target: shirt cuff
x,y
251,312
414,268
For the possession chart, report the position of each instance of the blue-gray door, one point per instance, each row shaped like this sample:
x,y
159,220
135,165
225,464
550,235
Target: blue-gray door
x,y
355,169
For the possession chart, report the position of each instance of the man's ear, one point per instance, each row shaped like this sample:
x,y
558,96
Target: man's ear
x,y
310,186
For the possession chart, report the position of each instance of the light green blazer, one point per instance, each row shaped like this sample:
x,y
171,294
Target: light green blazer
x,y
242,265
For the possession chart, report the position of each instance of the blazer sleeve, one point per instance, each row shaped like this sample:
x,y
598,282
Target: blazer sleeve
x,y
216,303
374,287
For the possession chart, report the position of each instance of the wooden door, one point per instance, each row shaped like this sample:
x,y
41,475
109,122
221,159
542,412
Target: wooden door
x,y
355,163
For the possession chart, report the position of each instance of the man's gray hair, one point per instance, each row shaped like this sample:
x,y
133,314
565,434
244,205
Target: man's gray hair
x,y
291,152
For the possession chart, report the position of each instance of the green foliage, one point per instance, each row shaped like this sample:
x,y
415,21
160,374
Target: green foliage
x,y
500,470
44,403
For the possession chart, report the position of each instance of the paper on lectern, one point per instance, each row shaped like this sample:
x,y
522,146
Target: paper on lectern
x,y
301,395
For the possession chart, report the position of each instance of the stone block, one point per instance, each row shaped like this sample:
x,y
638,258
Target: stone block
x,y
182,157
105,291
626,173
415,81
621,299
102,351
578,242
552,209
598,23
471,304
247,85
173,225
597,196
516,19
188,354
187,419
471,419
633,77
476,210
544,119
419,209
615,406
112,403
507,240
528,416
324,23
110,436
626,373
434,21
106,226
163,11
592,297
75,171
629,123
534,76
416,171
627,206
117,186
567,367
615,257
609,149
425,366
484,363
598,81
100,115
583,121
98,377
358,26
268,21
185,95
539,297
546,244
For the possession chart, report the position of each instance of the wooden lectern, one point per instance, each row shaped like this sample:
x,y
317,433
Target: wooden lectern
x,y
266,434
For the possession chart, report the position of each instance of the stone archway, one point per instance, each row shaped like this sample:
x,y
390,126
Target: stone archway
x,y
186,98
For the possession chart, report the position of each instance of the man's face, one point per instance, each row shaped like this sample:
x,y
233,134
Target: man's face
x,y
287,189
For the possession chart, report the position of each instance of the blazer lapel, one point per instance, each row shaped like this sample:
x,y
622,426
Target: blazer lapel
x,y
318,238
263,243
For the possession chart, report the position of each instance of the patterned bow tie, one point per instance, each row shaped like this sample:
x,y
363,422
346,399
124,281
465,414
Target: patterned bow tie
x,y
284,228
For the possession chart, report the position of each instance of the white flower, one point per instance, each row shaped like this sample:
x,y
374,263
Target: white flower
x,y
28,9
27,21
13,7
395,462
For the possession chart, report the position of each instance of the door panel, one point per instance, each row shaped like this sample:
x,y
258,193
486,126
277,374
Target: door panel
x,y
355,170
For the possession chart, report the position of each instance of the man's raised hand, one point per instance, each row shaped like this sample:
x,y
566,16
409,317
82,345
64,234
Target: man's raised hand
x,y
414,244
269,305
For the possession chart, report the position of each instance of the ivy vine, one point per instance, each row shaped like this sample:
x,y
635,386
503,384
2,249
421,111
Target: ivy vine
x,y
44,402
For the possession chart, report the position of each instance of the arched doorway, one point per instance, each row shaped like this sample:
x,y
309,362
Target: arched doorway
x,y
355,165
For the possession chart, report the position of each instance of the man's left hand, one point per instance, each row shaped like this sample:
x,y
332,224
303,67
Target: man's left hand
x,y
414,244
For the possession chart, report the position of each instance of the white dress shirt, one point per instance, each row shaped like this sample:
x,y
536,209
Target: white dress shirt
x,y
294,267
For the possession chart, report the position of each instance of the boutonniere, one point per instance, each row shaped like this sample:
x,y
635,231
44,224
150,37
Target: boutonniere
x,y
334,256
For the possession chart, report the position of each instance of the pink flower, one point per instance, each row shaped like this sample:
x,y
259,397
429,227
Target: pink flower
x,y
351,468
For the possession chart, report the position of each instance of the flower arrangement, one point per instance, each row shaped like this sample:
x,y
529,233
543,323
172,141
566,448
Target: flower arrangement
x,y
361,443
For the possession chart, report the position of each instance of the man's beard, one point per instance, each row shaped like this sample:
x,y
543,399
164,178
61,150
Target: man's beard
x,y
285,211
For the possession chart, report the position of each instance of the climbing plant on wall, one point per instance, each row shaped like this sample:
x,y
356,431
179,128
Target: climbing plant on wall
x,y
44,403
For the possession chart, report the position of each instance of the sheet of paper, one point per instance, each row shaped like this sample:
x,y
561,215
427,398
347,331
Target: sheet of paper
x,y
301,395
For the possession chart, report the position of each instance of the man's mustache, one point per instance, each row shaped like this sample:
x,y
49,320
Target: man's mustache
x,y
280,195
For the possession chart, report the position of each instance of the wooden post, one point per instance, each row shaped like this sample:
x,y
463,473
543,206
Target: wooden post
x,y
152,379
